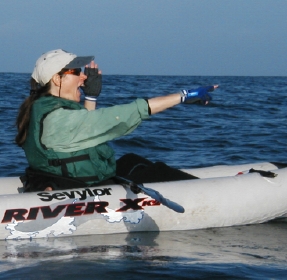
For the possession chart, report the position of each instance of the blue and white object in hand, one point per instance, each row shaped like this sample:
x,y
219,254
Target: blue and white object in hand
x,y
200,94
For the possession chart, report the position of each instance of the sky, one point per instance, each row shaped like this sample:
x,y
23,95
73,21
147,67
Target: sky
x,y
150,37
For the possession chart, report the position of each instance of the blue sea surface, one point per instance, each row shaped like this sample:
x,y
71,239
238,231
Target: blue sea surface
x,y
244,123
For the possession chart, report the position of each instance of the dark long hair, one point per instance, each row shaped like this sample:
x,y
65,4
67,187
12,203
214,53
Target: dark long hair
x,y
24,113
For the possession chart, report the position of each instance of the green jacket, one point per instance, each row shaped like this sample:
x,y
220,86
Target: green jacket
x,y
66,139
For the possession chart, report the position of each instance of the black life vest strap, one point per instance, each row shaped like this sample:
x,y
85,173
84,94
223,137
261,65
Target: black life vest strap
x,y
64,161
37,180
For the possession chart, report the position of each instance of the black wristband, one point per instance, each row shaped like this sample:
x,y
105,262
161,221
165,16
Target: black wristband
x,y
149,110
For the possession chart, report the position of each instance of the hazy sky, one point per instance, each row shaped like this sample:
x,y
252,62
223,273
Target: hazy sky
x,y
150,37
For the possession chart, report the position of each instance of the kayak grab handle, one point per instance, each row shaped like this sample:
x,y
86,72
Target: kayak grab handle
x,y
263,173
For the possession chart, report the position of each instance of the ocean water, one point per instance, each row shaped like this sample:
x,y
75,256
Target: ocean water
x,y
244,123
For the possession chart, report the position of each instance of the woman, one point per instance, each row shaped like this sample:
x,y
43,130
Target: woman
x,y
66,143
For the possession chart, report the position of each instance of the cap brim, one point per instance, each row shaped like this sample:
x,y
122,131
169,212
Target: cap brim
x,y
79,61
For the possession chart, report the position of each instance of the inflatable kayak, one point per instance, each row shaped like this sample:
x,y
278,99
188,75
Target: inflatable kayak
x,y
223,196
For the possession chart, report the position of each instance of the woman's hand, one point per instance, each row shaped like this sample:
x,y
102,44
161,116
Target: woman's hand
x,y
93,84
159,104
199,95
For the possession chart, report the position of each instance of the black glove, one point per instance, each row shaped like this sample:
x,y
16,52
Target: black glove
x,y
93,84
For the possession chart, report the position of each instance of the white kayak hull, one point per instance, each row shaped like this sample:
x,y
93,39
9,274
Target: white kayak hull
x,y
222,198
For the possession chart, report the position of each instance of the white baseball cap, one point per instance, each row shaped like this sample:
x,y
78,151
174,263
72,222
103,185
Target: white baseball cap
x,y
54,61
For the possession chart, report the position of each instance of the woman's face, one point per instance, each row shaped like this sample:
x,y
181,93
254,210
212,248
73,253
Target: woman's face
x,y
70,84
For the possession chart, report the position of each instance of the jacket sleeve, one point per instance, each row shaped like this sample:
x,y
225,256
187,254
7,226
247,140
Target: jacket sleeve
x,y
66,130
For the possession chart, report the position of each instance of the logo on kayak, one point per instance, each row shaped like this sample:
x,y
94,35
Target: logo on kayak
x,y
81,195
65,218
